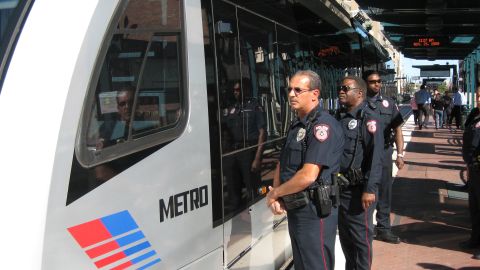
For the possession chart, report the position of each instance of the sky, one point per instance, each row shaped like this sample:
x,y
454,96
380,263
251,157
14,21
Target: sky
x,y
409,71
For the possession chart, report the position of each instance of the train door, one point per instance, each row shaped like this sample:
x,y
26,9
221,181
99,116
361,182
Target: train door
x,y
246,107
137,188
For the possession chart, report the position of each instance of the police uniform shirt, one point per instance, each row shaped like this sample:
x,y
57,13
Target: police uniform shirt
x,y
245,121
389,115
369,152
324,141
471,137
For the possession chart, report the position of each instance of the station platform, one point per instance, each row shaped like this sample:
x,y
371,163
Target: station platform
x,y
429,205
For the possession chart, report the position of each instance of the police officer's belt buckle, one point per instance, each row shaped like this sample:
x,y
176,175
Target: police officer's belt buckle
x,y
295,200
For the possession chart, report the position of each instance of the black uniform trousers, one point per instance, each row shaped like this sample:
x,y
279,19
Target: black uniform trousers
x,y
457,114
384,201
313,238
474,203
355,229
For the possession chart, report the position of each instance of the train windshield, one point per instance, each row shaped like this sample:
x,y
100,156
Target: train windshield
x,y
12,14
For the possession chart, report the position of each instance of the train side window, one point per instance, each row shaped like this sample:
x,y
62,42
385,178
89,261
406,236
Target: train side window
x,y
159,100
137,100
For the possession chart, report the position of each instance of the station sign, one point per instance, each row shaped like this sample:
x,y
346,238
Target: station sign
x,y
425,42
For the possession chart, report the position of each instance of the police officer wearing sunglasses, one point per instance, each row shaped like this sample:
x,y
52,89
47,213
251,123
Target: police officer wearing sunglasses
x,y
360,173
392,123
302,184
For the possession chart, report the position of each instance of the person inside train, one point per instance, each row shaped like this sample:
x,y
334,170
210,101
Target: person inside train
x,y
115,130
244,132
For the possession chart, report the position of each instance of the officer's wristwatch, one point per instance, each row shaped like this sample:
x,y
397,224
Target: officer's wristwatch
x,y
400,155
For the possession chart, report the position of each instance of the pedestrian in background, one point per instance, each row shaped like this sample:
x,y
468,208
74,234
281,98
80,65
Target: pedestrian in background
x,y
447,109
413,105
438,107
423,100
459,101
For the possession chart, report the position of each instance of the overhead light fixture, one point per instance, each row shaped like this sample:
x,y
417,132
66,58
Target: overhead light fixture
x,y
462,39
395,38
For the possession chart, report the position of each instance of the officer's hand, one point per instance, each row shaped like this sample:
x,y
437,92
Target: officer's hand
x,y
367,200
399,162
271,198
277,208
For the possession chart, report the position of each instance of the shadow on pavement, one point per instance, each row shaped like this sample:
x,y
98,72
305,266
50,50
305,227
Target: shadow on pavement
x,y
436,220
434,266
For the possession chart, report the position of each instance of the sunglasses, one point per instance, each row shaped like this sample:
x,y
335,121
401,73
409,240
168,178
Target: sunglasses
x,y
346,88
297,90
374,81
122,103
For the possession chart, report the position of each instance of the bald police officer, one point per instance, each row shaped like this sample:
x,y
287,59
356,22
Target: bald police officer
x,y
471,156
361,170
392,122
303,178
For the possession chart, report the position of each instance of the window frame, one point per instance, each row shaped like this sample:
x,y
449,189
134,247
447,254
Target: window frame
x,y
90,158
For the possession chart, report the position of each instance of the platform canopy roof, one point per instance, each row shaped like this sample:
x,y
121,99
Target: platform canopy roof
x,y
429,29
330,27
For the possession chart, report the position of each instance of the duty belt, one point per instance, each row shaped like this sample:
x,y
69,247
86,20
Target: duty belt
x,y
350,178
299,199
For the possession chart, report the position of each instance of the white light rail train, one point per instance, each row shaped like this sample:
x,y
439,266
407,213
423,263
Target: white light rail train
x,y
142,134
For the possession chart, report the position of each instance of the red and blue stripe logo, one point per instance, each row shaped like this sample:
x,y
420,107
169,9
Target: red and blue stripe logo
x,y
115,242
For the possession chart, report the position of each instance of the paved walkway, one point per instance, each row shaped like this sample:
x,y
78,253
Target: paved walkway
x,y
429,206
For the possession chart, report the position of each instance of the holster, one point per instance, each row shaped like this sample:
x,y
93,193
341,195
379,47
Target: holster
x,y
354,176
295,200
322,199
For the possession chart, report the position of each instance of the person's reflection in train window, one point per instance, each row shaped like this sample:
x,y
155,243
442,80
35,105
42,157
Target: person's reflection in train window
x,y
245,127
116,131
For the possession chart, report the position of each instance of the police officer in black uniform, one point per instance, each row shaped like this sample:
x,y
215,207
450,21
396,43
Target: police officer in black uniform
x,y
303,178
471,156
361,171
245,133
392,122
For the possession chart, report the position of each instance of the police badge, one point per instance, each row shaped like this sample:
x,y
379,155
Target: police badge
x,y
352,124
300,134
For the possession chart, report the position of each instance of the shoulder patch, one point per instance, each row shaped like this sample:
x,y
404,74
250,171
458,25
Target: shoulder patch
x,y
477,125
321,132
372,126
385,103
